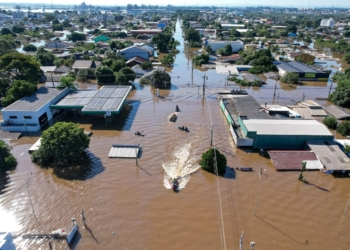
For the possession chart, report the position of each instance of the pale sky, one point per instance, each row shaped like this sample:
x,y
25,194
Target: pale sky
x,y
297,3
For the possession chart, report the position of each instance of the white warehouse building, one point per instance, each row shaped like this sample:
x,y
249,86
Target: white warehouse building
x,y
30,113
327,22
215,45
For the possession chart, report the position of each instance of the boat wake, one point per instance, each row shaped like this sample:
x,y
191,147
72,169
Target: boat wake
x,y
181,166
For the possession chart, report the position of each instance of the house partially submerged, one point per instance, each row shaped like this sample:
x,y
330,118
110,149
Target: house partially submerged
x,y
86,65
134,51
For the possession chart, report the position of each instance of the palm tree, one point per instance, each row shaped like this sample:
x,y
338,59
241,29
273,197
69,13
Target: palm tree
x,y
68,82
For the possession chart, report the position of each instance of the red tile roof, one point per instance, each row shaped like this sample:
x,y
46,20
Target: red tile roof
x,y
290,159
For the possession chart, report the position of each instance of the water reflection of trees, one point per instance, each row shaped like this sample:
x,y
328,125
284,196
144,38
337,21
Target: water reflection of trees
x,y
89,167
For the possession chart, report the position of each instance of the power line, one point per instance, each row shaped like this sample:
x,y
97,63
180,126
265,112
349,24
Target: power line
x,y
223,240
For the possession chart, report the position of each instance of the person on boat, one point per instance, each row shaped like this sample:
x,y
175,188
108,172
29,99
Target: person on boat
x,y
186,128
183,128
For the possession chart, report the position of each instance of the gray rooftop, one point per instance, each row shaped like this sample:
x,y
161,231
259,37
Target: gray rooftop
x,y
296,67
34,102
337,112
252,78
331,156
246,106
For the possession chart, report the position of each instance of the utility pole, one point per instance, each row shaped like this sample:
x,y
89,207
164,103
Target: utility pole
x,y
330,89
274,93
204,78
192,72
211,138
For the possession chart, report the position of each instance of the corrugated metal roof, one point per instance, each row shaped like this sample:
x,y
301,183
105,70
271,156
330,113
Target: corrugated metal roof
x,y
286,127
329,153
296,67
337,112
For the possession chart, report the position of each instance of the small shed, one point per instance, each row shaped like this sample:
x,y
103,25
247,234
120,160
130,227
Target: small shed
x,y
124,151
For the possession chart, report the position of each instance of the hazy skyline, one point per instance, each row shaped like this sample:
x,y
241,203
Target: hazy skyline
x,y
285,3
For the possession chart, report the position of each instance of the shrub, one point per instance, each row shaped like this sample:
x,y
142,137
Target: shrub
x,y
330,122
344,128
207,161
7,160
290,77
144,80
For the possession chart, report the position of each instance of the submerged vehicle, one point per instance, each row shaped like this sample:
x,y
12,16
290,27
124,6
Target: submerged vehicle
x,y
173,118
184,129
175,185
139,134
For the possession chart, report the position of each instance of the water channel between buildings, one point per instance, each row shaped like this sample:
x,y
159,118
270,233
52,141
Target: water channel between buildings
x,y
132,207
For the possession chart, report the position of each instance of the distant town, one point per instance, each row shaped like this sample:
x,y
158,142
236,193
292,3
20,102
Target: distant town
x,y
237,94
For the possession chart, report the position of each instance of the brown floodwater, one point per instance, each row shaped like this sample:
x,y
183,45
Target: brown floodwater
x,y
132,207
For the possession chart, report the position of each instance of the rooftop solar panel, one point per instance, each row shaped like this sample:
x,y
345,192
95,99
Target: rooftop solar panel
x,y
108,98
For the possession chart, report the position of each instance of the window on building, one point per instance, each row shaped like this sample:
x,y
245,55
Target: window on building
x,y
13,117
27,117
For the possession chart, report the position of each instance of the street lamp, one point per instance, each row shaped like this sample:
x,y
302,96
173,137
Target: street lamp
x,y
274,93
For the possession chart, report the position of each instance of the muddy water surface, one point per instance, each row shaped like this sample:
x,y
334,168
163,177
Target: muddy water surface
x,y
131,207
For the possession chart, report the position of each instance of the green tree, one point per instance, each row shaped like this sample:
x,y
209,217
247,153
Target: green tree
x,y
16,66
192,35
208,49
347,58
163,41
74,36
61,144
167,60
18,90
344,128
116,45
5,46
104,75
341,96
201,59
120,78
6,31
82,75
117,65
67,82
17,29
57,27
330,122
208,163
45,57
7,160
161,79
29,47
66,24
146,65
347,148
129,73
290,77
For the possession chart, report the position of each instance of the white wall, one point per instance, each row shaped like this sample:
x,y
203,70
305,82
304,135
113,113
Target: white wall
x,y
30,125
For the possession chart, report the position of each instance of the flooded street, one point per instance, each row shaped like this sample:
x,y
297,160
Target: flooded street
x,y
133,207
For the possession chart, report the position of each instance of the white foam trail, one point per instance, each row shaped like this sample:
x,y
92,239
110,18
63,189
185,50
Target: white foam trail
x,y
181,166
